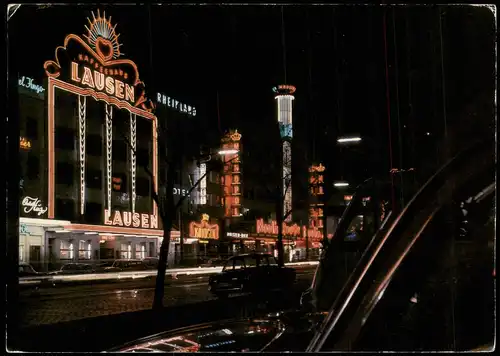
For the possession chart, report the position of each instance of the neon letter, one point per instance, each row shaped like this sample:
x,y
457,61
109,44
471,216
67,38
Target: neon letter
x,y
99,80
136,222
87,77
154,221
110,85
106,217
119,89
127,218
144,220
117,219
74,72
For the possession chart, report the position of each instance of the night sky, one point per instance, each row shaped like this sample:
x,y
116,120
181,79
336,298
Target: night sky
x,y
335,56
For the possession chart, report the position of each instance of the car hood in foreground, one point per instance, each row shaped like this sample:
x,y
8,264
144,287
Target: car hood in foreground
x,y
275,332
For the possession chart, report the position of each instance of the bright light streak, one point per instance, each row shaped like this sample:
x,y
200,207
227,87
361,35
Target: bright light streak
x,y
348,139
228,152
341,184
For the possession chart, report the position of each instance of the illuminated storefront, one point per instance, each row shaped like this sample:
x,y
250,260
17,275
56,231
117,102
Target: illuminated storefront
x,y
294,236
88,136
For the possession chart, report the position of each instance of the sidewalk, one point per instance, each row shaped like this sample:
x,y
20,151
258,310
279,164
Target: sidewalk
x,y
26,281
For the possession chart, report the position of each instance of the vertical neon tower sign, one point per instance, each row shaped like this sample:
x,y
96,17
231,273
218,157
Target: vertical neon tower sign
x,y
231,180
284,99
316,193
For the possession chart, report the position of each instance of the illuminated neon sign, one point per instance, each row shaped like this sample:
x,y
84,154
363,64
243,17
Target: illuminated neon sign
x,y
34,205
90,66
203,229
175,104
127,218
288,230
29,83
24,143
231,180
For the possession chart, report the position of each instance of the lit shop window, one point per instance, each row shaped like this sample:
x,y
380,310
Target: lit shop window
x,y
84,250
140,251
67,251
126,251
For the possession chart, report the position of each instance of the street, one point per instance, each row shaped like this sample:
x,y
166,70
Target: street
x,y
67,303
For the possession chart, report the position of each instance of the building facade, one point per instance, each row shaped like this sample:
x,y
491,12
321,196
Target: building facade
x,y
88,133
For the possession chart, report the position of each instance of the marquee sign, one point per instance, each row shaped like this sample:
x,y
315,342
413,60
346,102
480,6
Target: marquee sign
x,y
92,66
203,229
288,230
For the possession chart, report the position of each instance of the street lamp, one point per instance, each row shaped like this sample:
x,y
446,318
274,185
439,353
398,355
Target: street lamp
x,y
348,139
341,184
228,152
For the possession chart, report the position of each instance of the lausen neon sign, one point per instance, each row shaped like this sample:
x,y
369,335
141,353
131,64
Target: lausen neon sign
x,y
91,67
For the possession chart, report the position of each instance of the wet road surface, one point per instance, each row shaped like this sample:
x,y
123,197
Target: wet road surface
x,y
67,303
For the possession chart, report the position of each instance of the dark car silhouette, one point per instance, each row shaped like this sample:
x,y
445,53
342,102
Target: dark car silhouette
x,y
252,272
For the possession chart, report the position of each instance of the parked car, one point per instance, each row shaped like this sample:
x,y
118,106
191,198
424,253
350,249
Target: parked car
x,y
214,262
414,287
125,265
27,270
74,268
252,272
150,262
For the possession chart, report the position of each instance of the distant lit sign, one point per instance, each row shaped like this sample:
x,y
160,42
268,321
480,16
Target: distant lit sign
x,y
126,218
203,183
24,143
237,235
347,197
29,83
175,104
203,229
179,191
34,205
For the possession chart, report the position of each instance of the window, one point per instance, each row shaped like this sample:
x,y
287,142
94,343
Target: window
x,y
140,251
213,177
21,253
93,145
93,179
142,157
238,263
93,213
65,138
250,261
65,173
120,150
33,167
126,251
85,250
67,250
119,182
142,187
31,128
65,209
271,261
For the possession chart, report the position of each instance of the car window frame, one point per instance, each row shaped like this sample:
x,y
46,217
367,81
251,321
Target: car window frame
x,y
421,208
